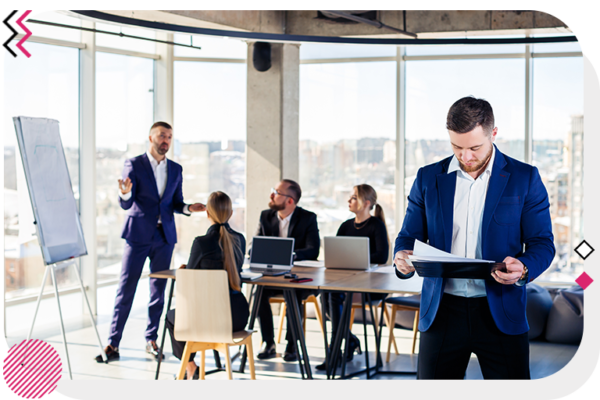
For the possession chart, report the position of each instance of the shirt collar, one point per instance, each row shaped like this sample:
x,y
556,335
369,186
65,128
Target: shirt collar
x,y
288,218
455,166
153,160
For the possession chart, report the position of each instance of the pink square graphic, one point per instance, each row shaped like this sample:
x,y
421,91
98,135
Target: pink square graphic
x,y
584,281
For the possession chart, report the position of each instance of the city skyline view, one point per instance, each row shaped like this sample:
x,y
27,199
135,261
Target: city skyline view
x,y
349,121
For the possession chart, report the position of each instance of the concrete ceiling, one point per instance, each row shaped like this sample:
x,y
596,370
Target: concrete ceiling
x,y
426,24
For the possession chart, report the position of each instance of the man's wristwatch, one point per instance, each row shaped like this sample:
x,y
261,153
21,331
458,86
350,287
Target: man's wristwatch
x,y
524,277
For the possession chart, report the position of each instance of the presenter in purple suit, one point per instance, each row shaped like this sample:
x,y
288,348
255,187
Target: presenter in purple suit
x,y
151,192
479,203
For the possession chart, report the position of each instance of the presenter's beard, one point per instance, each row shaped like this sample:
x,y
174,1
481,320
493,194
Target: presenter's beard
x,y
162,149
276,207
479,165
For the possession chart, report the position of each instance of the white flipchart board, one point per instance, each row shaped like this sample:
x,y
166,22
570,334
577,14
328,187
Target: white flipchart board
x,y
54,208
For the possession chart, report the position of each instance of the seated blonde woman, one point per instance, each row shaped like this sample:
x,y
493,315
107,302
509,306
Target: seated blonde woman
x,y
220,248
361,202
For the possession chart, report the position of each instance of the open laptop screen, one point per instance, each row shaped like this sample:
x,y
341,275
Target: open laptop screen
x,y
272,251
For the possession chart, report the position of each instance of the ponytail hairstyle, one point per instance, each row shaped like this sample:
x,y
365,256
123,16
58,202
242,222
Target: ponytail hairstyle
x,y
220,209
366,193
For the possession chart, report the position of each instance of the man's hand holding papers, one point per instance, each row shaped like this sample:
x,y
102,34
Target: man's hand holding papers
x,y
400,261
434,262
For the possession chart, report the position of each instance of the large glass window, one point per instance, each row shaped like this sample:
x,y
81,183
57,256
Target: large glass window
x,y
433,86
124,114
126,43
46,86
558,154
210,142
347,137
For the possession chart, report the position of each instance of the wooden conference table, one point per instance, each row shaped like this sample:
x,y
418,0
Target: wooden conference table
x,y
377,280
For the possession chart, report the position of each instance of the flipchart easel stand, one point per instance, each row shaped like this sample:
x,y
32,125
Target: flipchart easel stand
x,y
51,268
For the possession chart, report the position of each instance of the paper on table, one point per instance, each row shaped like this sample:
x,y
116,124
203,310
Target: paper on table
x,y
309,263
425,252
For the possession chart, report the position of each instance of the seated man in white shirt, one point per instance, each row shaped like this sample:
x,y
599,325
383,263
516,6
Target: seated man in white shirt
x,y
285,219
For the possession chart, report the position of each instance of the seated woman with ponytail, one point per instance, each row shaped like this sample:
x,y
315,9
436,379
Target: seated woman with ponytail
x,y
220,248
361,202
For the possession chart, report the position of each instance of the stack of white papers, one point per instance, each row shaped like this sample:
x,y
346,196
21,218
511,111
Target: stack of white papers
x,y
425,252
250,275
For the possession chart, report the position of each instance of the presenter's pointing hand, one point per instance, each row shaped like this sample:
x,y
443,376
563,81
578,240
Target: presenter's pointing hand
x,y
400,261
197,207
125,185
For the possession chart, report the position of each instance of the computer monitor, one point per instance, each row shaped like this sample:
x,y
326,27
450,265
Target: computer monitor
x,y
272,253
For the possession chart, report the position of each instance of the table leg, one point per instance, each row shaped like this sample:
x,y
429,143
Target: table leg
x,y
162,341
379,361
364,317
324,322
255,304
346,334
337,341
297,330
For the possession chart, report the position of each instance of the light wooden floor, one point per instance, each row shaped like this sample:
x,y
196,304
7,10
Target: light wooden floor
x,y
135,364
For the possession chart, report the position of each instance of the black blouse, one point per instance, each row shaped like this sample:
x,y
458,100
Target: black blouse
x,y
207,254
375,230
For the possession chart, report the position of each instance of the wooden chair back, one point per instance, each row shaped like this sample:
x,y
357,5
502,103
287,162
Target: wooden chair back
x,y
203,308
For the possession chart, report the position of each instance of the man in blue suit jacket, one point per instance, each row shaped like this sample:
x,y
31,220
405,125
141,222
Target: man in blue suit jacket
x,y
482,204
151,192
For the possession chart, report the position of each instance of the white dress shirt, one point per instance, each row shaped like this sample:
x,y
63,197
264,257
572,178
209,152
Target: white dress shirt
x,y
160,174
284,225
469,201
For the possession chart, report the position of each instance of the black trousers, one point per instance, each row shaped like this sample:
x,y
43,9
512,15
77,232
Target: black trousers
x,y
463,326
266,315
239,318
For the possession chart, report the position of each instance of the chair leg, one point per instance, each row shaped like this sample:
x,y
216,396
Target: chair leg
x,y
415,330
304,317
375,314
202,365
351,319
250,357
391,324
228,365
319,316
184,360
281,318
386,316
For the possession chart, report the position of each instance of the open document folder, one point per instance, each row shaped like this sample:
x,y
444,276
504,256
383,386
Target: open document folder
x,y
431,262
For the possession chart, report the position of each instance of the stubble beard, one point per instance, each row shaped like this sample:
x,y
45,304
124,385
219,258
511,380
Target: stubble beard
x,y
479,165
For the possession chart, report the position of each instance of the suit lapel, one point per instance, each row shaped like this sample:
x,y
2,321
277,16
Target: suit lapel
x,y
275,224
293,221
150,173
496,186
446,184
170,174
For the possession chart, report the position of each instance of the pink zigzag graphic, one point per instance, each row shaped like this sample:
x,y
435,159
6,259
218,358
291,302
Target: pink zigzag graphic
x,y
28,33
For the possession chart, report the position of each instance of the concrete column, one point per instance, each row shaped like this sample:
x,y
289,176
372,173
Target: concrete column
x,y
87,161
163,84
163,79
272,127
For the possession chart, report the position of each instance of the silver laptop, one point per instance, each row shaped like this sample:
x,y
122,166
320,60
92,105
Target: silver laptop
x,y
271,256
346,252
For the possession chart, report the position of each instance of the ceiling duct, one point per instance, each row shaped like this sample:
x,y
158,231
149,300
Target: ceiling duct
x,y
373,22
335,18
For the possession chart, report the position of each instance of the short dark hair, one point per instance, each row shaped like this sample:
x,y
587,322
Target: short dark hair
x,y
294,189
467,113
161,124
